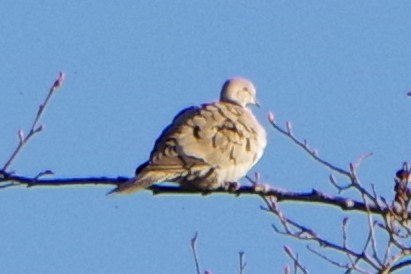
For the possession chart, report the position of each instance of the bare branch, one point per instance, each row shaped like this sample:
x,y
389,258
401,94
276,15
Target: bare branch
x,y
243,264
38,182
281,195
339,187
195,255
371,236
288,133
295,230
35,128
337,264
297,263
360,159
400,265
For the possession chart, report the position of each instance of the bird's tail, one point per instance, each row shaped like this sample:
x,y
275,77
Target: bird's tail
x,y
141,181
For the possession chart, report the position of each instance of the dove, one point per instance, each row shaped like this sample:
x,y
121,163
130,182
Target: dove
x,y
208,146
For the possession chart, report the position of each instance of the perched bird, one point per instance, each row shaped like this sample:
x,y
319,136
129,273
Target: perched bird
x,y
206,147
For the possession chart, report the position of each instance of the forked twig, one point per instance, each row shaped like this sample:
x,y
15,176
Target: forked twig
x,y
243,264
35,127
294,229
296,260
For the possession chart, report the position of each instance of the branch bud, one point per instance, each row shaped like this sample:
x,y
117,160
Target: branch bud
x,y
352,168
287,269
345,220
271,117
21,136
257,176
39,128
59,81
289,127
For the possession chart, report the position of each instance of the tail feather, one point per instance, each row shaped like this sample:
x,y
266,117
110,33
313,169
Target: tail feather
x,y
142,181
131,186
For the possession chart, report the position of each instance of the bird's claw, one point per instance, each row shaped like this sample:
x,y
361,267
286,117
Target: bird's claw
x,y
232,186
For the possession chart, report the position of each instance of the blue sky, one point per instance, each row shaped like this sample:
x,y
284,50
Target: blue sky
x,y
338,70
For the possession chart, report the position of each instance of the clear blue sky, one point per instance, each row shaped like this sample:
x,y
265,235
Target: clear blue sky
x,y
338,70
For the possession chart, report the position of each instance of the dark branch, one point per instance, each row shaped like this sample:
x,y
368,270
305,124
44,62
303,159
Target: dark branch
x,y
37,182
281,195
400,265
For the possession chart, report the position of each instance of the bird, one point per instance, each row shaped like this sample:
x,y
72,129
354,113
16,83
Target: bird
x,y
206,147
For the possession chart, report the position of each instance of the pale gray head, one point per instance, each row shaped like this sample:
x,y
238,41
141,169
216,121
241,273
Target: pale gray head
x,y
239,91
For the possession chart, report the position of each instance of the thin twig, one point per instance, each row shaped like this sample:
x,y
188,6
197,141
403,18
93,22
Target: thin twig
x,y
371,237
288,133
335,263
35,128
297,263
298,231
356,183
331,261
243,264
195,255
353,260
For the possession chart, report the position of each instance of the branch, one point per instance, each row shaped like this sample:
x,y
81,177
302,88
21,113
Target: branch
x,y
195,255
281,195
296,260
243,264
58,182
338,264
313,154
35,127
401,265
296,230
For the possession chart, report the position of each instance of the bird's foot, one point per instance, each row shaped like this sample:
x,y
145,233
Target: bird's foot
x,y
232,186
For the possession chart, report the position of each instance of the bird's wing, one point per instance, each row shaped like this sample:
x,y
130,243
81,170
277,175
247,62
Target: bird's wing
x,y
217,135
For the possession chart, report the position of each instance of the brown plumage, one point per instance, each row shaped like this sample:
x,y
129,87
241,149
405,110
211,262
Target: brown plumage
x,y
206,146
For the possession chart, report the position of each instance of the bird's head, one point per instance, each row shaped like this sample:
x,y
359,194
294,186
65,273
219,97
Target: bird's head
x,y
239,91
